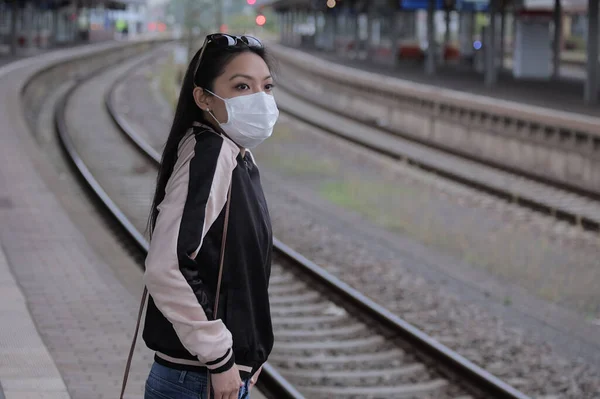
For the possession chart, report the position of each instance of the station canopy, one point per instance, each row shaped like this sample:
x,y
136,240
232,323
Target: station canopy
x,y
579,6
576,6
362,5
54,4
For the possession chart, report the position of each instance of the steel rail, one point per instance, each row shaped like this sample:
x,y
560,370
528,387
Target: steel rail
x,y
534,203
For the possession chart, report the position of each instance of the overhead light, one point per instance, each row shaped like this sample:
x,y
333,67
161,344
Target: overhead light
x,y
261,20
331,3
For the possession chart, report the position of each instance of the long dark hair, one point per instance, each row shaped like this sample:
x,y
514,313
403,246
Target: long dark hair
x,y
214,61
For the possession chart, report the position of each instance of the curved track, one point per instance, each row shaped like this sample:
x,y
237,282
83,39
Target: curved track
x,y
331,341
577,207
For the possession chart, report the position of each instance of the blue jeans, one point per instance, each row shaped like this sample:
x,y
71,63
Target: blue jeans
x,y
167,383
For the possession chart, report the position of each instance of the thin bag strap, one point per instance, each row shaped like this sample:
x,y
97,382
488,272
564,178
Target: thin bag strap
x,y
222,257
145,294
221,261
137,328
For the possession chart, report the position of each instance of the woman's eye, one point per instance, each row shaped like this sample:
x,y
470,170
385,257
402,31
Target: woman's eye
x,y
269,87
242,86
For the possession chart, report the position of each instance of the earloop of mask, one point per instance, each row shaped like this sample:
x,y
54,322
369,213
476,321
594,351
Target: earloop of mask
x,y
208,110
214,94
213,116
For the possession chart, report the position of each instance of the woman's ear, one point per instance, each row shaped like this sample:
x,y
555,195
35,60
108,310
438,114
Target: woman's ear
x,y
201,98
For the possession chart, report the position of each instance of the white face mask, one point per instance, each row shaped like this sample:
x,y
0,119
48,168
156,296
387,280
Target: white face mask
x,y
250,118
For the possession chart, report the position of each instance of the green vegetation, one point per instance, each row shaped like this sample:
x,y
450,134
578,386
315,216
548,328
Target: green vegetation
x,y
386,200
192,13
347,195
167,82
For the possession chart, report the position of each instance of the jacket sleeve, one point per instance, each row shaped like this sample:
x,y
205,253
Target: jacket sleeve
x,y
194,197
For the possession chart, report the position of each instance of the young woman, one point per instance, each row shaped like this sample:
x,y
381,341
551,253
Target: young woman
x,y
209,199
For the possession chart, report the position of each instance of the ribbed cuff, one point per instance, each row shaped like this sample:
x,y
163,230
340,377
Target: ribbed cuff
x,y
222,364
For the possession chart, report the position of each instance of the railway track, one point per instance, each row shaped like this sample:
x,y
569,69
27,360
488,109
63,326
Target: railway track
x,y
579,208
331,341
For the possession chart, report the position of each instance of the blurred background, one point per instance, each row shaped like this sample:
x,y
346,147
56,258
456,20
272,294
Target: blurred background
x,y
436,161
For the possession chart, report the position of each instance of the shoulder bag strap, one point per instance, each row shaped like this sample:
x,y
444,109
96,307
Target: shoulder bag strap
x,y
145,294
221,260
135,334
222,256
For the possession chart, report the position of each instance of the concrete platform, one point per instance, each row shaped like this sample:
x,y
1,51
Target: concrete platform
x,y
83,313
565,94
27,369
68,303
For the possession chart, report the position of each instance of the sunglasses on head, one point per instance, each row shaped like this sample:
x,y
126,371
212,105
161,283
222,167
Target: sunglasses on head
x,y
224,40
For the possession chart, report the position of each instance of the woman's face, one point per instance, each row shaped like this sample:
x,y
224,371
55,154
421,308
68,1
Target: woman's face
x,y
246,74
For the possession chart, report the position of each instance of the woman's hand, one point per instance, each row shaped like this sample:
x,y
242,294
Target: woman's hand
x,y
227,384
254,378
